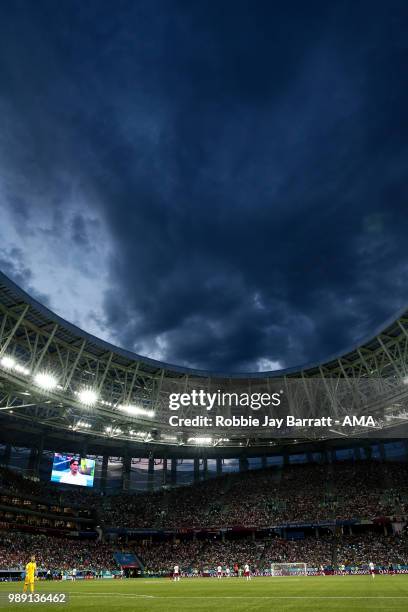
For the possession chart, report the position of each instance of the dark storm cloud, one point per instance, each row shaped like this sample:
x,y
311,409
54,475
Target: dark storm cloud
x,y
249,161
12,264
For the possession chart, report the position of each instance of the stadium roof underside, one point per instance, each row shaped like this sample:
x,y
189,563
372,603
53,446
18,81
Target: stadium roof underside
x,y
130,405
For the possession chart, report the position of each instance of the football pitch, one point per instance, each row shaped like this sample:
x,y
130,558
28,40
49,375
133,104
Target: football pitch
x,y
298,594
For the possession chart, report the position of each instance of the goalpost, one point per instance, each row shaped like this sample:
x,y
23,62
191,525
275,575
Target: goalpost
x,y
288,569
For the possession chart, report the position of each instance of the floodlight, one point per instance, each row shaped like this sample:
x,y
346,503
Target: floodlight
x,y
45,380
8,362
84,424
169,438
199,440
136,410
21,369
88,396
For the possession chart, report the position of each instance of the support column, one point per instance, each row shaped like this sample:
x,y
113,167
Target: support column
x,y
126,465
165,471
104,472
150,474
174,471
219,466
31,460
382,451
309,457
7,455
205,468
285,458
243,464
40,450
357,453
368,451
333,455
196,469
35,457
264,462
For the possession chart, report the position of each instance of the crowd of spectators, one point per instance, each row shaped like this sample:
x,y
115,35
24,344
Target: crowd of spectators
x,y
54,553
201,555
313,551
16,482
328,551
260,498
255,499
357,550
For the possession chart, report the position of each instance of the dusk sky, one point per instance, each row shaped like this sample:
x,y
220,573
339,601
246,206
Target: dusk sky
x,y
218,184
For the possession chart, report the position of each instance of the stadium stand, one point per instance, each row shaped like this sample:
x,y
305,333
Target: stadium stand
x,y
332,514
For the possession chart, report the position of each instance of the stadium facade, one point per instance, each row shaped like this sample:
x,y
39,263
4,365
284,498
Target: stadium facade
x,y
64,390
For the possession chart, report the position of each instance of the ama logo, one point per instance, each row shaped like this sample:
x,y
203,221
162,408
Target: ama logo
x,y
363,421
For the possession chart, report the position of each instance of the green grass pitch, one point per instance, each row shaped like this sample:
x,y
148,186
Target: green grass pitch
x,y
311,594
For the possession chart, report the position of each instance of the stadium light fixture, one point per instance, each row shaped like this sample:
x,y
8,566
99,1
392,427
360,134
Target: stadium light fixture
x,y
113,430
21,369
169,438
136,410
88,396
46,381
84,424
201,440
8,363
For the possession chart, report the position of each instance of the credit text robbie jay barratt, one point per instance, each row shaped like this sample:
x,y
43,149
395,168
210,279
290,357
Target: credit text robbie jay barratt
x,y
267,421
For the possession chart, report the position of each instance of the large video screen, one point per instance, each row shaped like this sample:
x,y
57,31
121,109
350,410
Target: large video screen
x,y
73,470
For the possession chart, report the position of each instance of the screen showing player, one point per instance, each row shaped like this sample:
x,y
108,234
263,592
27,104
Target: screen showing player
x,y
73,470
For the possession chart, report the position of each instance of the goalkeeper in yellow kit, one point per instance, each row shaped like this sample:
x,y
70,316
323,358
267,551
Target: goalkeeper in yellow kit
x,y
30,571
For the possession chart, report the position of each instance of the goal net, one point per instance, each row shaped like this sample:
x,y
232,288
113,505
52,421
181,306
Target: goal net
x,y
288,569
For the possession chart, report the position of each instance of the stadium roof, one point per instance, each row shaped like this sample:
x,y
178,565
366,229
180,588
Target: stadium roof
x,y
35,341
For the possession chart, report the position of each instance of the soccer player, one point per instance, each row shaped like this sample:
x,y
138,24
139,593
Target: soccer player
x,y
247,573
322,572
30,571
227,572
372,569
219,572
74,574
176,573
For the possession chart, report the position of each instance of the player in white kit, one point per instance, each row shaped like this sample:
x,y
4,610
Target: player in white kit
x,y
247,573
372,568
219,572
227,572
176,573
